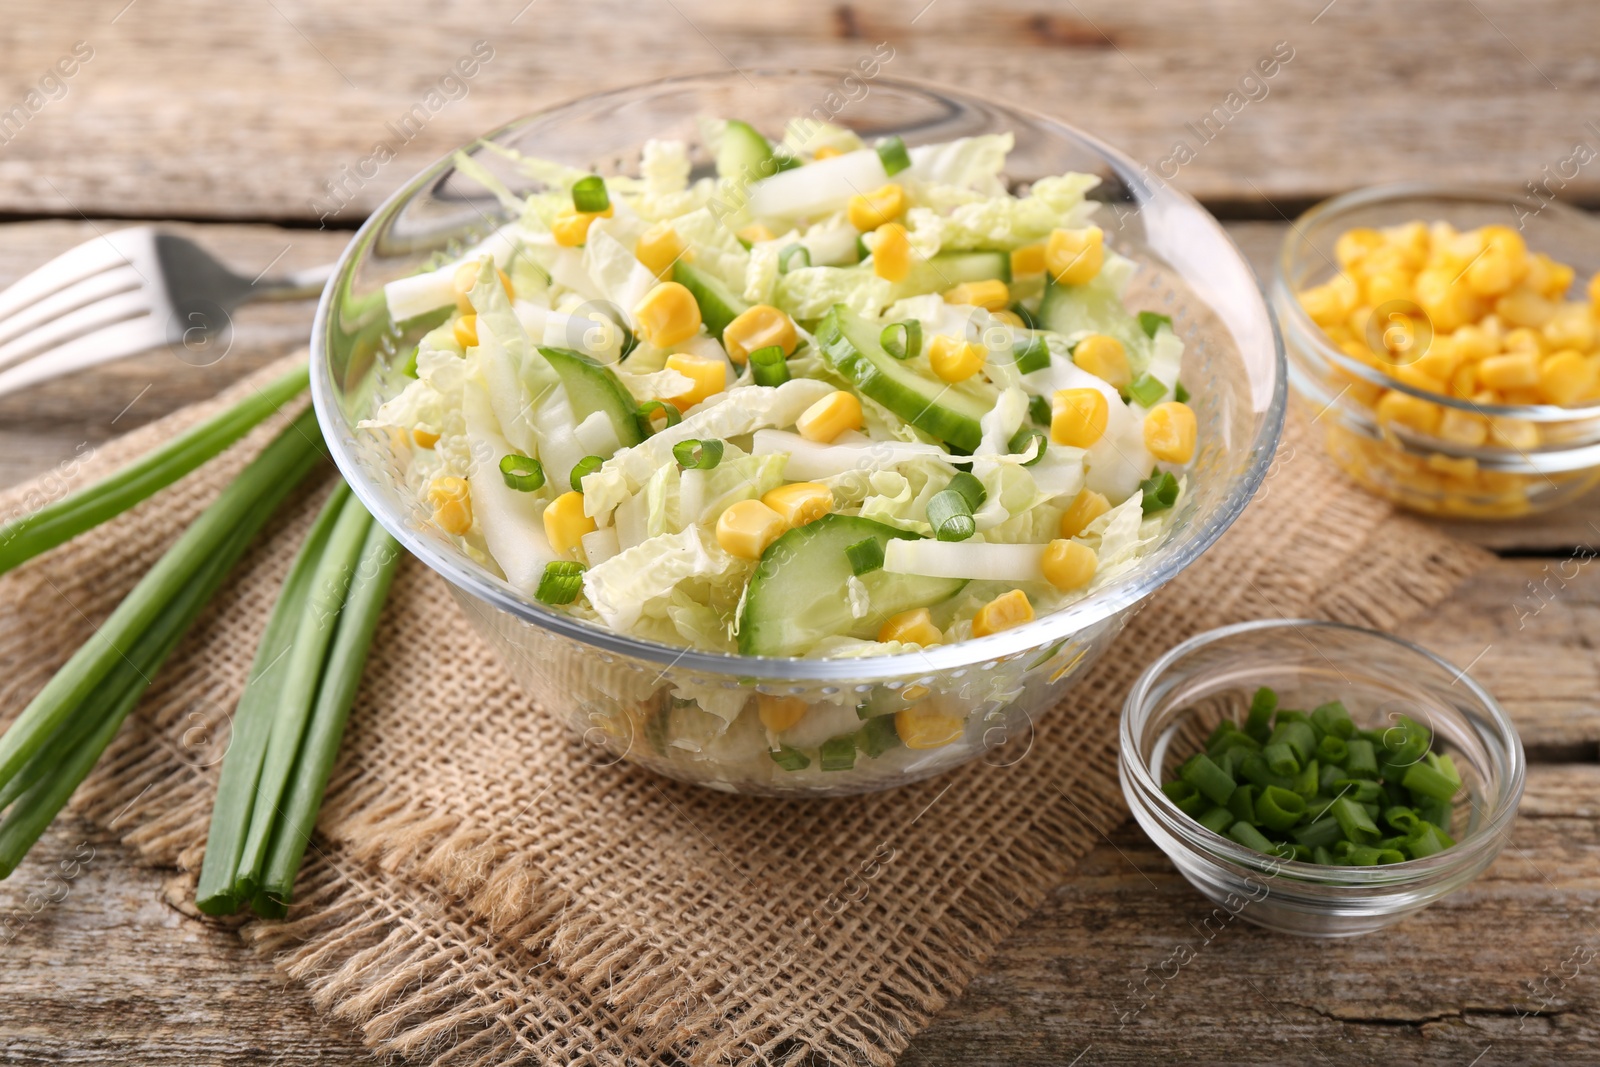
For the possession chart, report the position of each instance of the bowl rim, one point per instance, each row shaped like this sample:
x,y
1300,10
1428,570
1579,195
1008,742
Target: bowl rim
x,y
1059,625
1294,318
1478,848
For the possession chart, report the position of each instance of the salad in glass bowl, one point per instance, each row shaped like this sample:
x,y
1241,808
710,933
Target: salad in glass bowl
x,y
821,401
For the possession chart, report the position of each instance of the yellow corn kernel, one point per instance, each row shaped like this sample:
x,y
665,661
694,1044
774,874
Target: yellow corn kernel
x,y
827,151
565,523
747,528
1564,377
710,376
829,417
1169,432
571,228
924,727
955,360
1523,306
1002,613
913,627
1514,370
891,254
871,210
1406,410
799,502
1078,417
1417,378
667,315
1411,240
1447,304
452,504
1465,380
780,713
1086,507
1387,286
1523,339
658,248
466,277
1521,397
1508,241
1010,318
758,327
1572,326
991,294
1594,377
1514,433
424,438
466,331
1358,320
1346,290
1323,305
755,233
1492,273
1472,343
1067,565
1455,468
1594,289
1073,257
1354,245
1550,278
1105,358
1029,259
1440,360
1463,428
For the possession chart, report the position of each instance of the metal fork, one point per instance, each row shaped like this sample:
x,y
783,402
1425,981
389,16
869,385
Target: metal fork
x,y
125,292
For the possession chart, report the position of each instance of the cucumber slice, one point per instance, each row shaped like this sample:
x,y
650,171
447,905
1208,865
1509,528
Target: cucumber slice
x,y
718,304
592,387
850,343
744,154
950,269
797,594
1094,306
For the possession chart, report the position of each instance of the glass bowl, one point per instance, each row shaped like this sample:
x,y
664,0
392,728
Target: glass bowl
x,y
1539,456
666,707
1184,694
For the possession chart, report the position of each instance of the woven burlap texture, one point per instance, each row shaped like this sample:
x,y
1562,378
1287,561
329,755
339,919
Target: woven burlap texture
x,y
480,893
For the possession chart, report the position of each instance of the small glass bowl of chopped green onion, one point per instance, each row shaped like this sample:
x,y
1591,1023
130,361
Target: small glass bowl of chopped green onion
x,y
1317,778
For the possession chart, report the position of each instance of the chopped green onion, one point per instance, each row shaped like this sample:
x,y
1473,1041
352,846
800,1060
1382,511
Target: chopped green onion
x,y
1421,778
1031,354
410,369
1180,393
892,151
1151,321
1362,761
1178,790
902,340
1298,736
769,366
1217,820
1160,492
1039,410
581,470
839,753
1242,803
783,159
1258,721
1331,749
1249,837
1023,440
1281,759
865,556
1321,832
1426,841
28,536
1353,820
1028,318
698,455
787,257
589,194
648,411
1279,809
1333,718
877,736
522,473
790,759
951,516
1146,390
1211,780
561,582
970,488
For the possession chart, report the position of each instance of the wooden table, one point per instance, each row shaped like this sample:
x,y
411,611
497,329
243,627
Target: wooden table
x,y
234,118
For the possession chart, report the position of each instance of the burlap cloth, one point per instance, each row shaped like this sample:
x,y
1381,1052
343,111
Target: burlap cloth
x,y
480,894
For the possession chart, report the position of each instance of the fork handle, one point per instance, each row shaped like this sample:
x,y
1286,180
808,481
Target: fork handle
x,y
301,285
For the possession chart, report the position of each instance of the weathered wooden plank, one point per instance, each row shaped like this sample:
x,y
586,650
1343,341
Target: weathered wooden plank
x,y
244,111
107,971
1092,974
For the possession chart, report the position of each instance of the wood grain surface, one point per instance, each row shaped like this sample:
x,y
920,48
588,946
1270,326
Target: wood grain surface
x,y
238,114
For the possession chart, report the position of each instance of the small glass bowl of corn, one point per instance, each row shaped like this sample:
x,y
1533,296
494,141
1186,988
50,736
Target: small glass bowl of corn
x,y
1445,344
